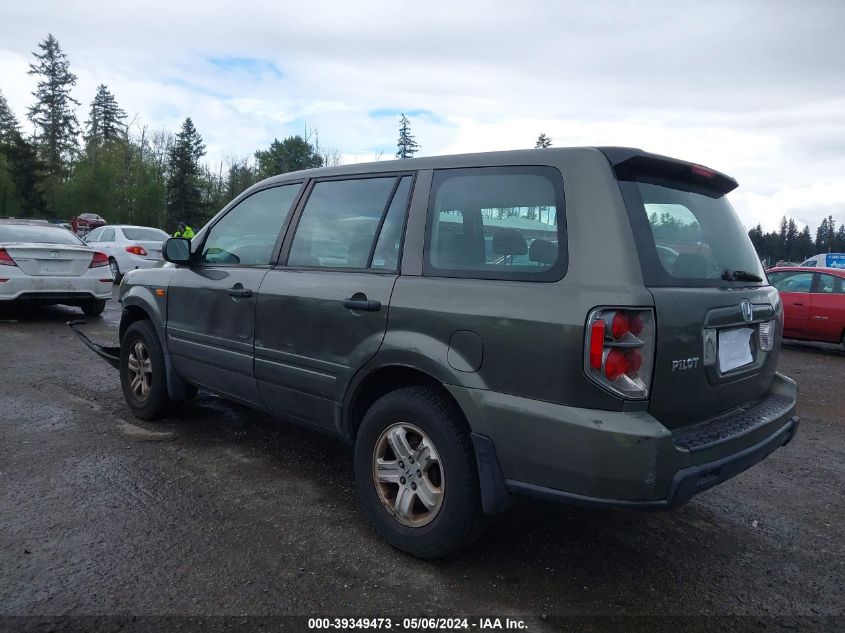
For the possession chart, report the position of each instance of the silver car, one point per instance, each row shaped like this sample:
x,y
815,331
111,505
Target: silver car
x,y
49,264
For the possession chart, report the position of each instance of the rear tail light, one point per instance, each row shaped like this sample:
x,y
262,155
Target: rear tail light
x,y
99,259
620,350
6,259
136,250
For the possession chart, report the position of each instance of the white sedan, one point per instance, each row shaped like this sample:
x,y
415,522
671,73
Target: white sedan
x,y
49,264
128,247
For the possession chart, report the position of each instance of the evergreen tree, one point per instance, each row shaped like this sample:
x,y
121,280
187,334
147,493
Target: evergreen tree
x,y
25,171
105,122
821,237
407,145
9,127
790,241
838,245
184,199
804,245
543,141
53,114
756,237
826,235
292,154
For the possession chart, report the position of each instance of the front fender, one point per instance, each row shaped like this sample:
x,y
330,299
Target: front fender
x,y
151,299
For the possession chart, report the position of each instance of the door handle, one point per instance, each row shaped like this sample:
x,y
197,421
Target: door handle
x,y
797,304
362,304
239,292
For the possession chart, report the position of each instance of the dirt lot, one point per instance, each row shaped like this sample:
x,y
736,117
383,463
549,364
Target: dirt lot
x,y
229,512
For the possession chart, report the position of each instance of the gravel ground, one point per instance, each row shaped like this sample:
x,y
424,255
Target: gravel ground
x,y
228,512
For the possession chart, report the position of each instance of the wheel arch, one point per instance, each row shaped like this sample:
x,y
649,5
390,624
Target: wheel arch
x,y
368,386
139,304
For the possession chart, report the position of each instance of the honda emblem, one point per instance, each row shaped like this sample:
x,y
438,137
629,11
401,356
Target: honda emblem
x,y
747,312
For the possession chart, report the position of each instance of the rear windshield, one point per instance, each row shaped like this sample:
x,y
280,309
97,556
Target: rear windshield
x,y
689,238
145,234
22,233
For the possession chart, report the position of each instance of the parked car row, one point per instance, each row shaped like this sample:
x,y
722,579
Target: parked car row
x,y
48,264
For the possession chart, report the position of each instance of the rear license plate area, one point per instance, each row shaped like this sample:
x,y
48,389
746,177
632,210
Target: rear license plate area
x,y
735,348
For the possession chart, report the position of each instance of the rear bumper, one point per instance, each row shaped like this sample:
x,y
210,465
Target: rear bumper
x,y
686,483
48,289
616,458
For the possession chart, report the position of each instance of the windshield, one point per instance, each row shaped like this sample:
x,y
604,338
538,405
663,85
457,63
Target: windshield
x,y
22,233
689,238
144,234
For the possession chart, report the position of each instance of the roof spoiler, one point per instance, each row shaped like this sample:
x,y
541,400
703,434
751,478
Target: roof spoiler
x,y
633,164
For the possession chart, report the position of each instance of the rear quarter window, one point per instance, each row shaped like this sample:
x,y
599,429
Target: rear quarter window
x,y
497,223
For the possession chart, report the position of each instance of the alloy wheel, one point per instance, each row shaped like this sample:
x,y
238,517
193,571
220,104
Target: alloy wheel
x,y
140,371
408,475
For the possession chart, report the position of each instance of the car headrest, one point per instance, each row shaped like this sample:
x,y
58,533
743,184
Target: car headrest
x,y
509,242
542,251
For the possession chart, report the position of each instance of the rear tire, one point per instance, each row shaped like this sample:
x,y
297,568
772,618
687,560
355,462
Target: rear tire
x,y
143,372
93,307
433,466
115,270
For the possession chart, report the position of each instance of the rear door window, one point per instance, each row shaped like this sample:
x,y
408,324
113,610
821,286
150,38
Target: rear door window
x,y
497,223
342,220
829,285
688,236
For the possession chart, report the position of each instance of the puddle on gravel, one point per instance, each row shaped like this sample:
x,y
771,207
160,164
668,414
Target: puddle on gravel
x,y
141,433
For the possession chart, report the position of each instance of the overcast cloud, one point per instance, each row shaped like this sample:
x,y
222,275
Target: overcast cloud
x,y
755,89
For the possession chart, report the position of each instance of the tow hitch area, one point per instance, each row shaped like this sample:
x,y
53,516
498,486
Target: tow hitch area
x,y
110,354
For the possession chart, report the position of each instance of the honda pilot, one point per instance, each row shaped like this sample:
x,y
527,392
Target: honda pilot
x,y
588,325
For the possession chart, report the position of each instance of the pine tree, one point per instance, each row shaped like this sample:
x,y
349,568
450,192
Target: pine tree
x,y
804,244
184,200
407,145
25,171
839,240
790,242
53,114
105,122
9,126
821,237
543,141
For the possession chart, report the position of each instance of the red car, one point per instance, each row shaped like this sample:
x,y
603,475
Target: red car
x,y
84,223
813,302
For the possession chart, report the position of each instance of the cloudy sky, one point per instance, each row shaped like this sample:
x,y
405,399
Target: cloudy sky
x,y
755,89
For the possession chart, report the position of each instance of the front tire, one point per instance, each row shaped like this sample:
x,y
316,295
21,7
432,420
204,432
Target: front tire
x,y
416,473
142,372
93,308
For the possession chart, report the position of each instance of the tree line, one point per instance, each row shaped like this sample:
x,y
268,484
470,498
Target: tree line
x,y
789,244
122,169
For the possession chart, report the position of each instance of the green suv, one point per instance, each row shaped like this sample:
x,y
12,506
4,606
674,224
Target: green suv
x,y
586,325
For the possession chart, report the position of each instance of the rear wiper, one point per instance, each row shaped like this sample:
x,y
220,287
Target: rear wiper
x,y
740,275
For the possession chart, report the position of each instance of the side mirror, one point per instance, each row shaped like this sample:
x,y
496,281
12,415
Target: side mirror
x,y
177,250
